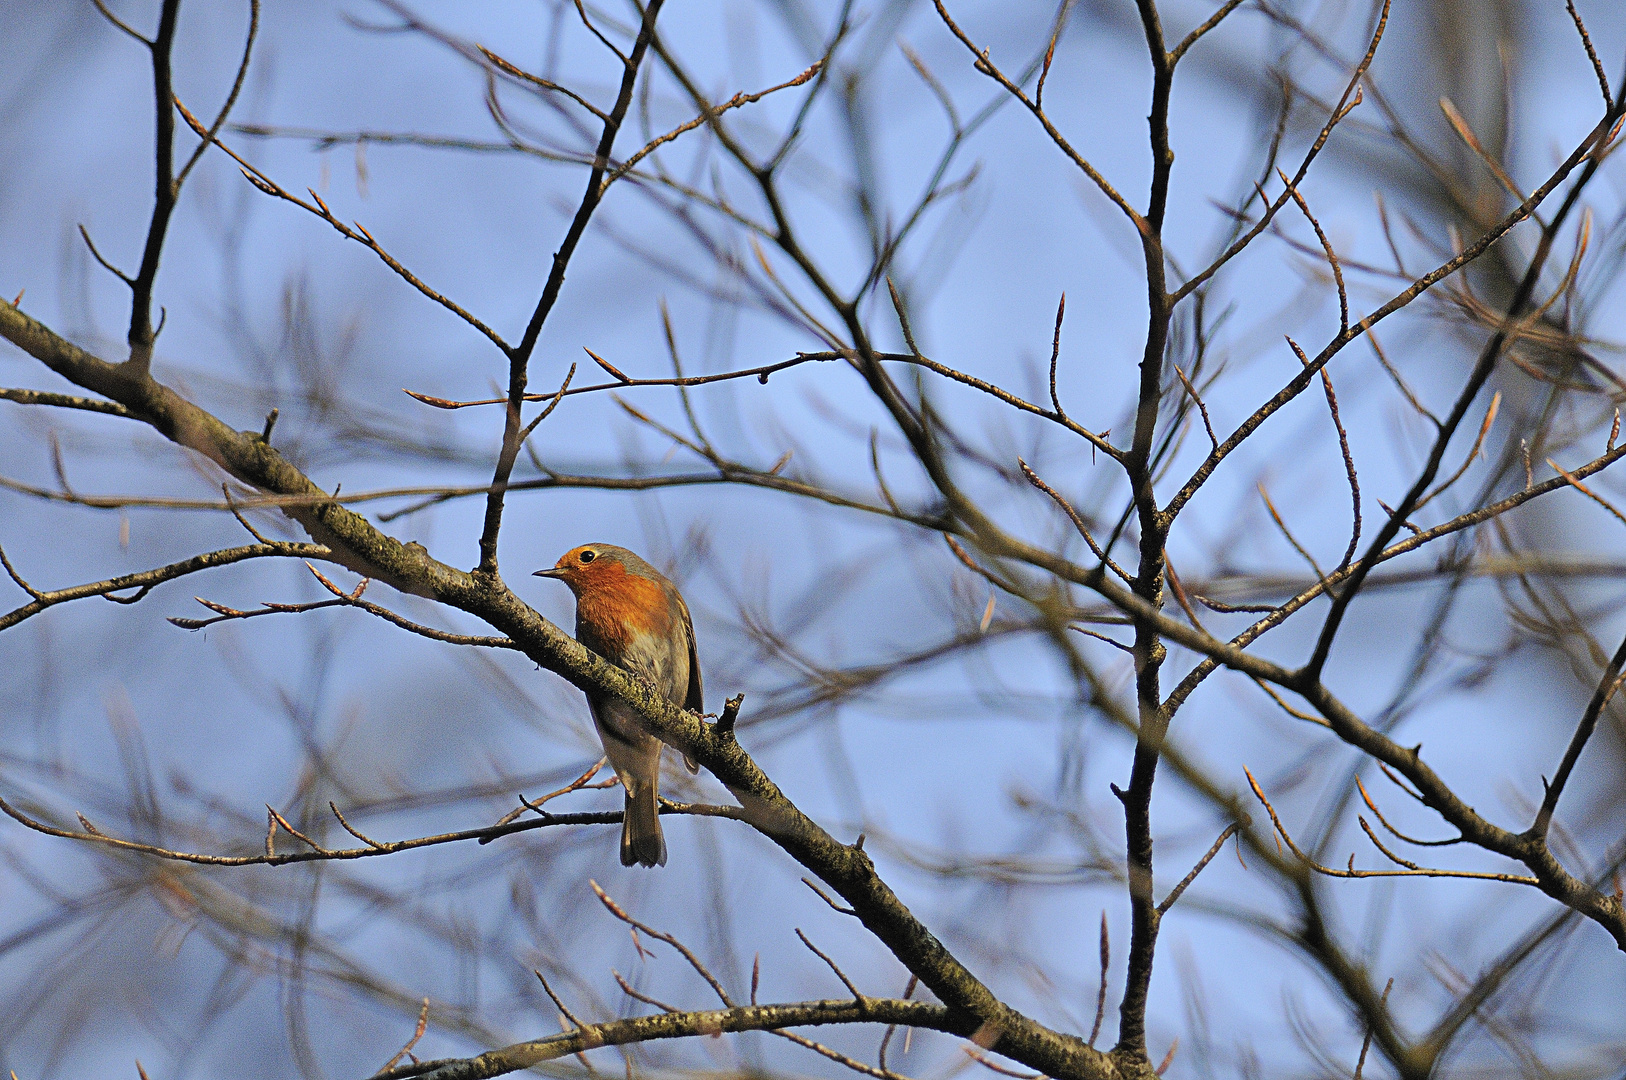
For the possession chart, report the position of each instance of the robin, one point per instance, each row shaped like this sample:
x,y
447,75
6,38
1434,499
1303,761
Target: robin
x,y
628,613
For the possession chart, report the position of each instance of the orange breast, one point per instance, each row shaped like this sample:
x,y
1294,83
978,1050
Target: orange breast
x,y
613,605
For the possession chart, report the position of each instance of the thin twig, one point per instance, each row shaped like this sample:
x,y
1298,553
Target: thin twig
x,y
1055,346
101,6
231,98
1174,894
1276,516
1344,451
355,231
352,829
814,949
1395,376
708,116
1466,134
1326,246
1101,994
1075,518
880,1055
1201,408
1591,53
982,1059
1197,35
822,895
516,72
97,255
575,785
1575,483
1366,1043
145,581
1608,684
1297,714
983,64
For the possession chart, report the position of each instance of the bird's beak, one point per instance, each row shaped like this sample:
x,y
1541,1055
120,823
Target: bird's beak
x,y
554,572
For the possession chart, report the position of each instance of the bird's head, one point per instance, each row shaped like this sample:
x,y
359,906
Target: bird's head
x,y
590,566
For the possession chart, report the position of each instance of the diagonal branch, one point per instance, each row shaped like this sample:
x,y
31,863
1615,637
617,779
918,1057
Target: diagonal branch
x,y
1608,684
1584,153
1197,34
734,102
231,98
355,231
983,64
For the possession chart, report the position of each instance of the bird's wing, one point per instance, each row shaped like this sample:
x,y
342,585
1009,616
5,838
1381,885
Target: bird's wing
x,y
695,697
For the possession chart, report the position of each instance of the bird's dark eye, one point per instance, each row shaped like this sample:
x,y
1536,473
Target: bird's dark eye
x,y
587,556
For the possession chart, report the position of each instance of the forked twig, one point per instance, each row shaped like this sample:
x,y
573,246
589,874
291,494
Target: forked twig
x,y
1373,806
694,961
575,785
417,1033
1408,869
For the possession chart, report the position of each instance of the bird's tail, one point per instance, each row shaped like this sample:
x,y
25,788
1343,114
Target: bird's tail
x,y
641,839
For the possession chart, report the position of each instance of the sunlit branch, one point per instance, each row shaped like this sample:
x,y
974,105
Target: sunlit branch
x,y
147,580
685,1024
66,401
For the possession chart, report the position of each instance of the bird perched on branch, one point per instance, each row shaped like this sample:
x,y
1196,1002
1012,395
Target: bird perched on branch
x,y
633,617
